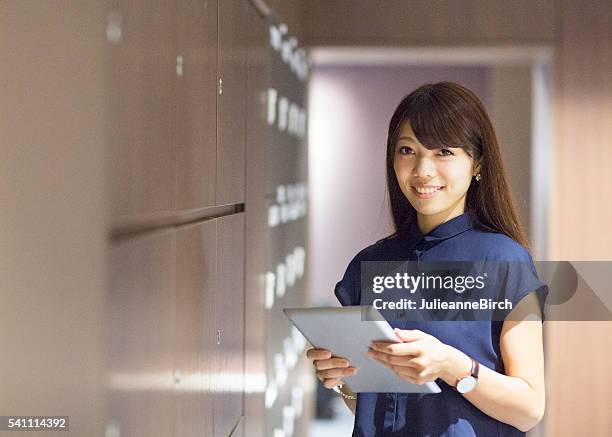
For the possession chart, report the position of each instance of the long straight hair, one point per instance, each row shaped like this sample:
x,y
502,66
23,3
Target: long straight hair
x,y
448,114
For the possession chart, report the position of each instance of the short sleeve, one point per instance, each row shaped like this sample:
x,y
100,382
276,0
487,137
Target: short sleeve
x,y
348,289
520,277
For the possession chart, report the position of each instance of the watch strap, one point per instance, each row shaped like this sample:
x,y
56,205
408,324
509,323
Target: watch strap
x,y
474,370
338,389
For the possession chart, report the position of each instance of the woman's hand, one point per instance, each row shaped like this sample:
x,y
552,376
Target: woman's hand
x,y
330,369
421,358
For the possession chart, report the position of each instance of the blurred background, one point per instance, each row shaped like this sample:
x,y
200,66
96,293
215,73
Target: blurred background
x,y
173,173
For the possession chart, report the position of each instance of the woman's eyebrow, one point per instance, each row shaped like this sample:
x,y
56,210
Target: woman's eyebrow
x,y
404,137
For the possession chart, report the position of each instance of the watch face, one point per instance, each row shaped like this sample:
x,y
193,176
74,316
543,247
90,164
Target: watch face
x,y
466,384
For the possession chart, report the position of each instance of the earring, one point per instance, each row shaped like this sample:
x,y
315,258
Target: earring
x,y
478,177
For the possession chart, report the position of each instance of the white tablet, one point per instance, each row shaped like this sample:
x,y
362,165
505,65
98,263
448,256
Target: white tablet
x,y
347,332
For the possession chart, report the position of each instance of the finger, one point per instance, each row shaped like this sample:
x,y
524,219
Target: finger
x,y
412,375
412,348
402,360
331,382
394,362
384,363
337,373
318,354
331,363
407,335
408,373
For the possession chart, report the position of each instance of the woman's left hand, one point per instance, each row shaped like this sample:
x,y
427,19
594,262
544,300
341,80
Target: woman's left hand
x,y
421,358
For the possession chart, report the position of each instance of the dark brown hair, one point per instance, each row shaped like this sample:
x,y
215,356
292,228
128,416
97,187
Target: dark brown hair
x,y
448,114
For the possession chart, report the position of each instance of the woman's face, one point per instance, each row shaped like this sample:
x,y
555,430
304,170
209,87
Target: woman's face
x,y
435,182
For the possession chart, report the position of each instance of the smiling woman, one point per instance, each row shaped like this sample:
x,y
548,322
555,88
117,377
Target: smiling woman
x,y
450,202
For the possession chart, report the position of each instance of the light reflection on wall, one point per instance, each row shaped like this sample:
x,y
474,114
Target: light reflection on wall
x,y
285,247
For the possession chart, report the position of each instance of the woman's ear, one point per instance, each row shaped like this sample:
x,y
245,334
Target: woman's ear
x,y
476,169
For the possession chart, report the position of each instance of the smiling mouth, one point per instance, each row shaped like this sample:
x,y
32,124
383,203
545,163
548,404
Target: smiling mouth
x,y
426,192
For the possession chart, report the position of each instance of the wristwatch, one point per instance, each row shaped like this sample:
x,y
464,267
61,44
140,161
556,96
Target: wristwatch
x,y
467,383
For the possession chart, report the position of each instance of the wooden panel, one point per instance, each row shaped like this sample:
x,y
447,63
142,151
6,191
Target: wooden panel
x,y
579,407
291,13
583,136
53,119
142,79
229,312
196,263
239,429
141,323
196,119
231,103
400,22
581,217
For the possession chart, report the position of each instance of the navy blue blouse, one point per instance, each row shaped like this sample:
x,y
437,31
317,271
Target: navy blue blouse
x,y
447,413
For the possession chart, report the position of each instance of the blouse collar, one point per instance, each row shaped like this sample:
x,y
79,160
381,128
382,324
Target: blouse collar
x,y
443,231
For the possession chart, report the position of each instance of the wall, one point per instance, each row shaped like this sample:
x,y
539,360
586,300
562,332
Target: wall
x,y
582,103
129,233
425,23
583,149
290,12
199,171
54,124
511,94
175,299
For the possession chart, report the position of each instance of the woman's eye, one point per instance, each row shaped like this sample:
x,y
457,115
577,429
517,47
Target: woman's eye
x,y
404,150
446,152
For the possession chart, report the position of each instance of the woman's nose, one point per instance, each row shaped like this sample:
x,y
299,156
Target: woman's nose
x,y
424,168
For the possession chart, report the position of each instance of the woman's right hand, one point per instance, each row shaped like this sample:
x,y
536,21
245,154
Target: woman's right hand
x,y
330,369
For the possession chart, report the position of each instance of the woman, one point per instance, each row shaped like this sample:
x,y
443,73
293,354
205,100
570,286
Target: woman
x,y
450,202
